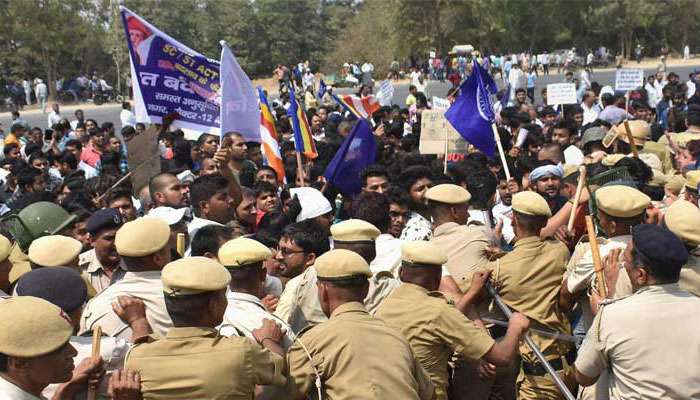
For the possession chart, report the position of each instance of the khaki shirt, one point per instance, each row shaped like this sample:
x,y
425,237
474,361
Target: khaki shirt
x,y
94,273
465,247
690,274
302,308
357,357
197,363
435,330
581,272
529,279
661,151
649,342
146,286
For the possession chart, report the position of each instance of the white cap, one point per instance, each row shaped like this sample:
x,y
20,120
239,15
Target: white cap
x,y
313,203
186,176
169,215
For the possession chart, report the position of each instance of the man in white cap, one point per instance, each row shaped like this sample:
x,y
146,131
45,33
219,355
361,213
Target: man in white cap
x,y
177,219
314,205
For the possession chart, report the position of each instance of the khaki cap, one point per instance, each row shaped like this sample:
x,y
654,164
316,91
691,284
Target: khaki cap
x,y
354,230
569,169
243,251
692,180
424,253
621,201
5,248
675,183
194,275
683,219
641,131
54,251
448,193
531,203
142,237
32,327
658,179
340,263
612,159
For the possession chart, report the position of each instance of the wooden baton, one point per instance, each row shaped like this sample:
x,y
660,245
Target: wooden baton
x,y
597,262
635,153
96,341
180,246
577,196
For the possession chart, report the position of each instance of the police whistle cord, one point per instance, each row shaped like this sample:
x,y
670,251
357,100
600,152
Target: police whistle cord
x,y
550,334
507,312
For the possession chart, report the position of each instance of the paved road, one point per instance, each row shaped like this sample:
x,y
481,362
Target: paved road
x,y
110,112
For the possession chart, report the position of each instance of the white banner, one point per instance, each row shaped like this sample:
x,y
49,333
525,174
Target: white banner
x,y
629,79
561,93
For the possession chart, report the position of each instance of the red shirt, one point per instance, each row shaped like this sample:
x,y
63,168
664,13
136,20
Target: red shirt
x,y
90,155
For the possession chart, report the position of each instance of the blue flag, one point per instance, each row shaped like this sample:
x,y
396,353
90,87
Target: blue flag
x,y
472,114
321,89
357,152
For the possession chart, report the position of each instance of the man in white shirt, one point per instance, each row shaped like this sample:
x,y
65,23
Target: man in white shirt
x,y
515,79
27,86
54,115
591,109
127,117
42,93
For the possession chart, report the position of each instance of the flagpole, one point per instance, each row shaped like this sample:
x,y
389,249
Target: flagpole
x,y
500,151
300,169
444,168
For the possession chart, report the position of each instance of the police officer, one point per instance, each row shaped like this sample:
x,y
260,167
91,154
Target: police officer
x,y
193,361
355,235
143,246
416,305
639,337
683,219
352,355
619,209
529,280
243,258
465,245
102,264
28,364
65,288
57,251
32,222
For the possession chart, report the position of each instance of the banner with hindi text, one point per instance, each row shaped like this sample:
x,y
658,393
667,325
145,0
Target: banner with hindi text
x,y
170,77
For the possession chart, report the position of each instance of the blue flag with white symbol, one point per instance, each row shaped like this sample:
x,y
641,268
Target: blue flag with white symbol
x,y
357,152
472,113
321,89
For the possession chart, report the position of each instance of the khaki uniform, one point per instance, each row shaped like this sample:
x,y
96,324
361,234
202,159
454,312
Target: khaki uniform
x,y
465,247
435,330
581,272
648,343
357,357
299,306
661,151
146,286
529,279
690,274
93,272
227,368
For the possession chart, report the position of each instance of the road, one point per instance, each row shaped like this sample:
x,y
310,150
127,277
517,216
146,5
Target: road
x,y
110,112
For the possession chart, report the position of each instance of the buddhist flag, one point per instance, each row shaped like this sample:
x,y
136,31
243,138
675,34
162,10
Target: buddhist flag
x,y
268,136
303,141
362,108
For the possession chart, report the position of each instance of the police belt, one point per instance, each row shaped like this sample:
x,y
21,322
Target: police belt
x,y
537,369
